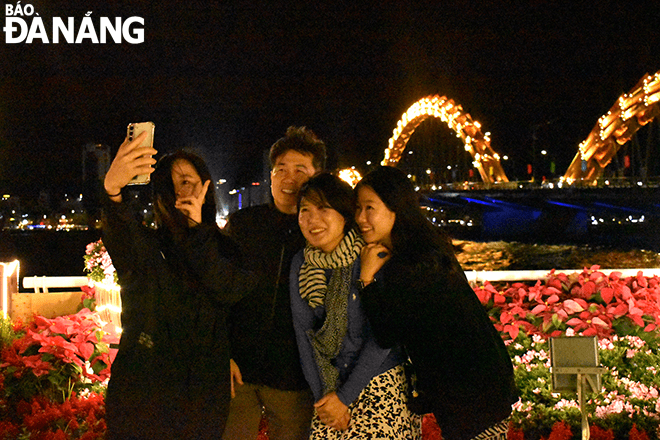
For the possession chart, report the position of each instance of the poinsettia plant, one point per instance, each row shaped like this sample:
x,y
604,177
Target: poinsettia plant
x,y
55,357
53,374
623,313
589,303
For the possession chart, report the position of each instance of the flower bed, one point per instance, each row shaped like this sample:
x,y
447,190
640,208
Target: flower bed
x,y
53,372
624,313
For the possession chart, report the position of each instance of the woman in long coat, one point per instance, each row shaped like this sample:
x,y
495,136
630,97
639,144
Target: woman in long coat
x,y
170,378
416,296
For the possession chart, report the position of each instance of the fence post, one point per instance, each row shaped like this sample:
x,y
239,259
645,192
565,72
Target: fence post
x,y
9,285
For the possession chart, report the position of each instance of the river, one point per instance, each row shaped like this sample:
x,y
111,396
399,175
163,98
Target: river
x,y
50,253
47,253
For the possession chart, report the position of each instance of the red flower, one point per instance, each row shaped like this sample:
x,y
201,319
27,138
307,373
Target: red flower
x,y
430,428
514,434
8,430
607,294
39,367
560,431
597,433
17,325
89,292
636,434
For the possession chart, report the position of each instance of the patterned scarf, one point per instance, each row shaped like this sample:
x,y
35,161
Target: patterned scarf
x,y
311,278
326,341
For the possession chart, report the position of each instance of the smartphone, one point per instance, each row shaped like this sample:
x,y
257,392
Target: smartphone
x,y
134,130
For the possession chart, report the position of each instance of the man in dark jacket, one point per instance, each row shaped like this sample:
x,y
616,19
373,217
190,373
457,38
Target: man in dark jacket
x,y
265,365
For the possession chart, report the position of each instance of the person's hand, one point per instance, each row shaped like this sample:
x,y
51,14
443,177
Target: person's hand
x,y
236,376
372,258
130,161
191,205
333,412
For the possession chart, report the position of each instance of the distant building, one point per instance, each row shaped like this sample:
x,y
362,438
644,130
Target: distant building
x,y
257,193
95,165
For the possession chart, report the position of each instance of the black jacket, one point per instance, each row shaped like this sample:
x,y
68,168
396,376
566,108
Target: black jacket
x,y
460,359
263,343
170,378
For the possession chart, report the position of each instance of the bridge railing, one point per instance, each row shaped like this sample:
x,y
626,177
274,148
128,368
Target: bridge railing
x,y
63,301
480,276
42,284
602,182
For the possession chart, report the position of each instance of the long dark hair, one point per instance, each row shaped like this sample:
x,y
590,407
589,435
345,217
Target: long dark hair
x,y
414,237
327,189
164,197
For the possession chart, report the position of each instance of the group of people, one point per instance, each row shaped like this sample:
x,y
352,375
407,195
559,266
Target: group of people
x,y
324,311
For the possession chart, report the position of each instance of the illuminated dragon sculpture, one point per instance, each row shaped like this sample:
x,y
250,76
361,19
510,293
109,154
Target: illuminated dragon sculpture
x,y
476,143
630,112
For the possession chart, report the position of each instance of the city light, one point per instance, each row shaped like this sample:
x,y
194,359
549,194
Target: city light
x,y
350,176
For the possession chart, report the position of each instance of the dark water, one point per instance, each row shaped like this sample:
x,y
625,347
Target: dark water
x,y
511,255
620,217
50,253
47,253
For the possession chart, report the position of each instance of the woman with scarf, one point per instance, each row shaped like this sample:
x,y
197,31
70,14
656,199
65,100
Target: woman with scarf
x,y
359,388
417,297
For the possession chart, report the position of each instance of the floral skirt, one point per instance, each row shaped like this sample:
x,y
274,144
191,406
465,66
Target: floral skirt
x,y
379,412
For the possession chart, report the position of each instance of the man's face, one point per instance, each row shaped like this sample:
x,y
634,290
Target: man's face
x,y
292,169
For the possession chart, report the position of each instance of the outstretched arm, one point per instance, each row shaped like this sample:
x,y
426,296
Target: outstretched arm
x,y
121,232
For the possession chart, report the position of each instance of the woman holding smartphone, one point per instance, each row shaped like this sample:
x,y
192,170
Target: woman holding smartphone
x,y
358,387
416,296
170,378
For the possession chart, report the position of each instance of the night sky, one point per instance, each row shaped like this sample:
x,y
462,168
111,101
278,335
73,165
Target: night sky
x,y
228,78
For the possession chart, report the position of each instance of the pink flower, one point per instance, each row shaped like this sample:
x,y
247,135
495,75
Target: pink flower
x,y
563,404
572,306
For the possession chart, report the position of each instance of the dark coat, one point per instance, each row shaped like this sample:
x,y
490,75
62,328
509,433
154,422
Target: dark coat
x,y
263,343
460,359
170,378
